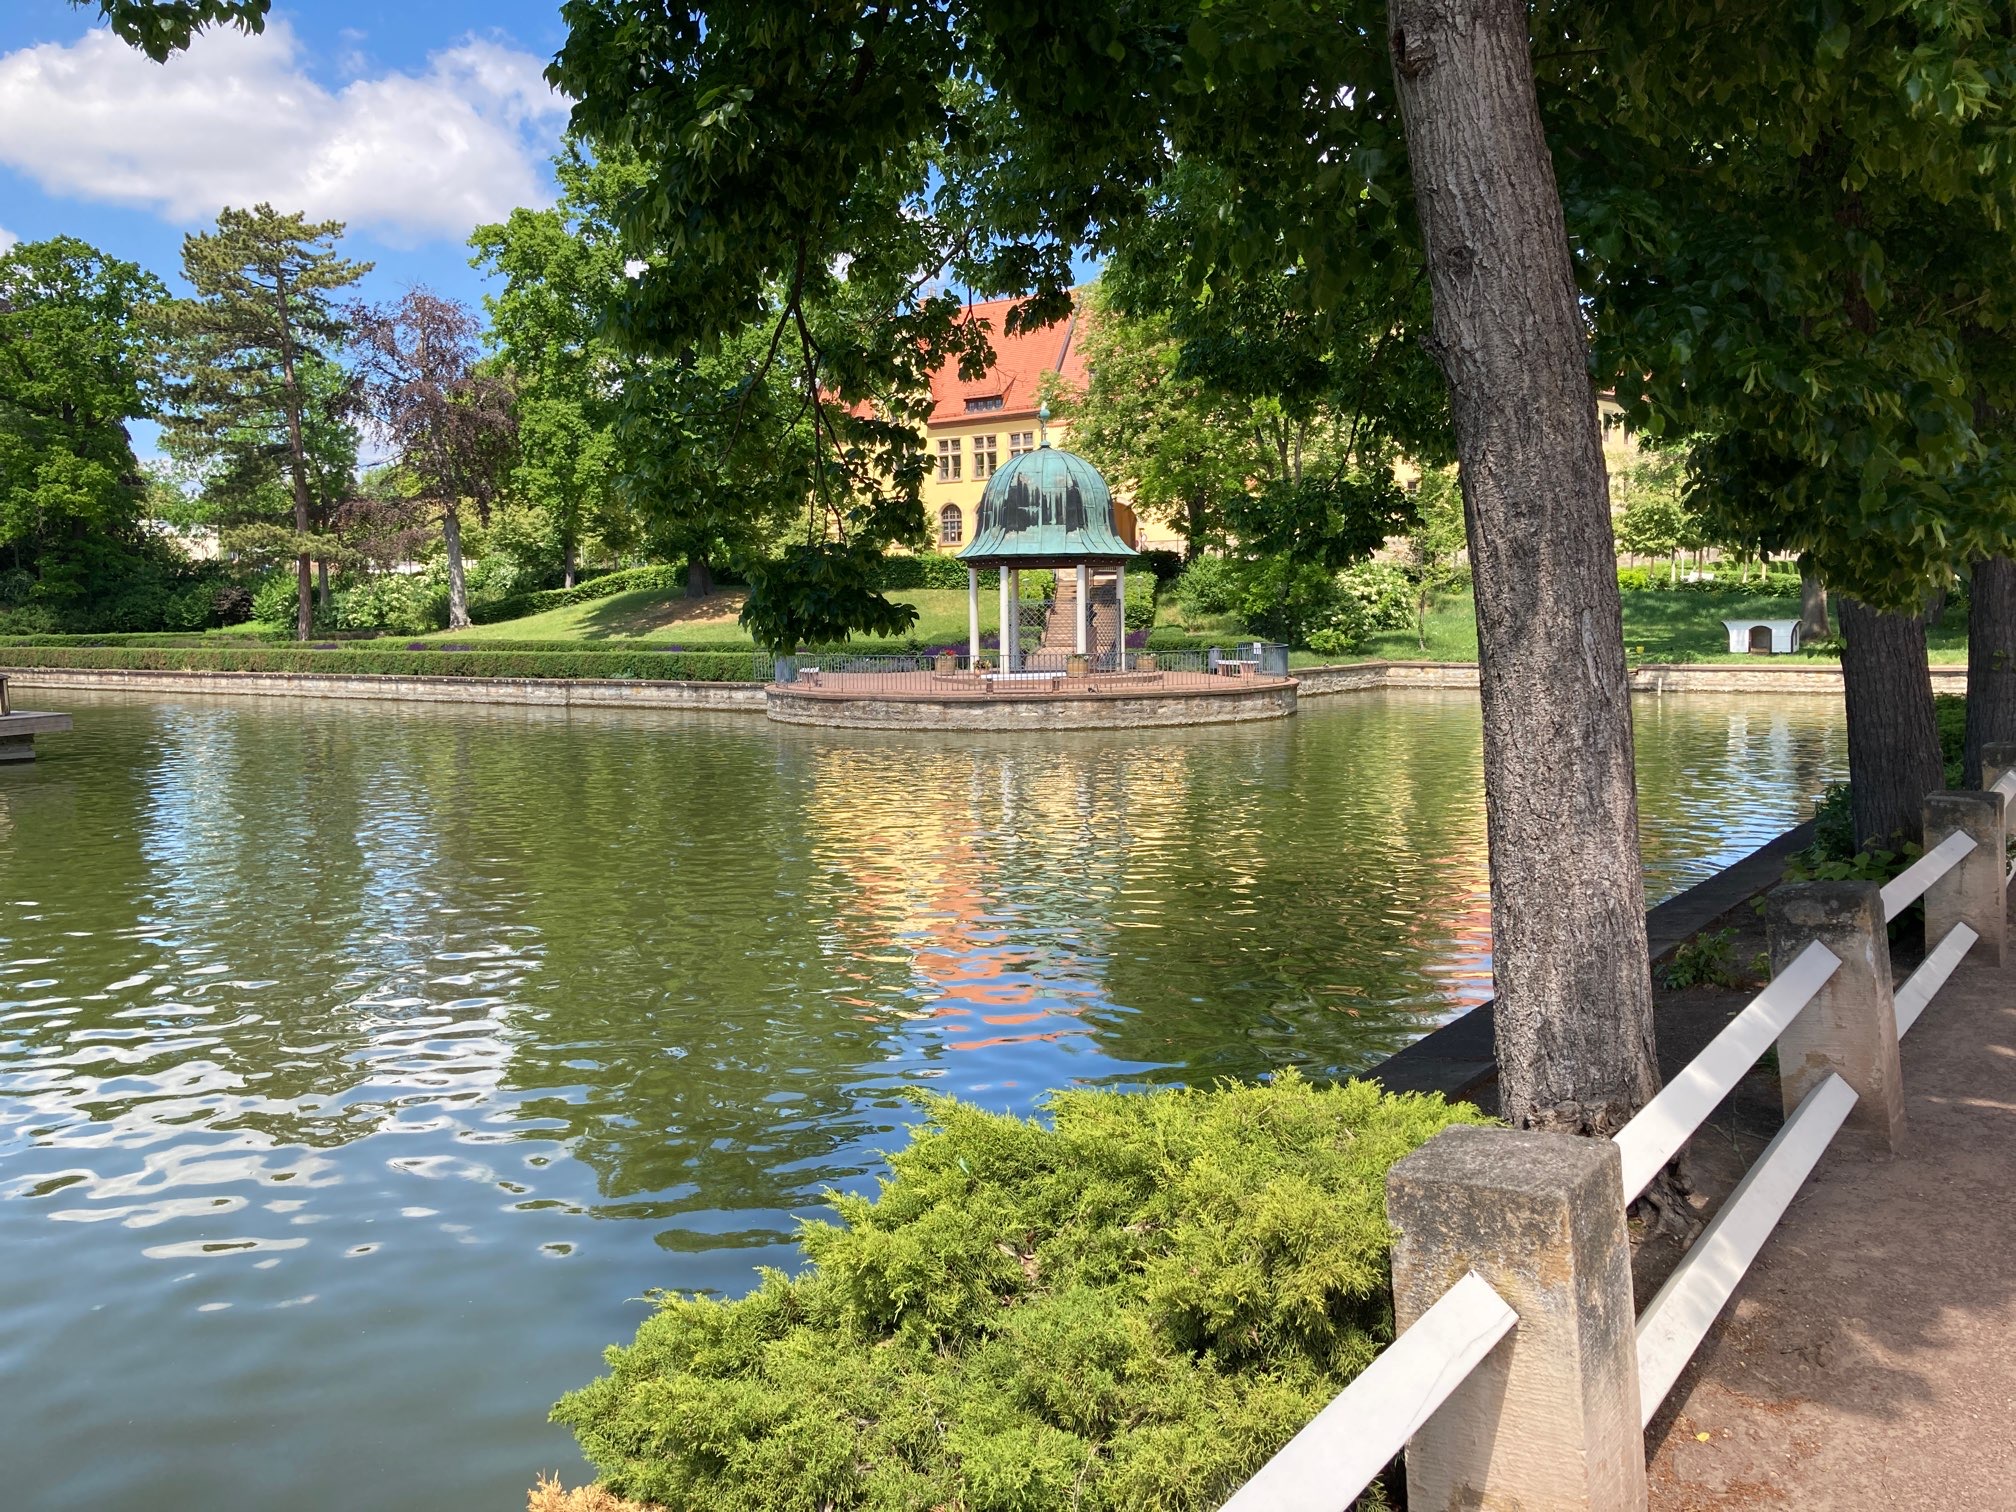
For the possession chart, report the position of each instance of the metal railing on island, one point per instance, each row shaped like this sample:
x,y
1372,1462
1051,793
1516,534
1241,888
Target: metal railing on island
x,y
1517,1377
955,674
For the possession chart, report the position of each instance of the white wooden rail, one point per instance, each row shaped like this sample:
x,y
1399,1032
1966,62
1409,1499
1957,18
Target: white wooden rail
x,y
1904,889
1667,1122
1328,1465
1916,993
1678,1318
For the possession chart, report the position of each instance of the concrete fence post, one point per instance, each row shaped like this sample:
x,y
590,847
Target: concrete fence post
x,y
1850,1027
1971,893
1549,1420
1996,758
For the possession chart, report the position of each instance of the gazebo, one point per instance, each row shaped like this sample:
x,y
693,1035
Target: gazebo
x,y
1049,508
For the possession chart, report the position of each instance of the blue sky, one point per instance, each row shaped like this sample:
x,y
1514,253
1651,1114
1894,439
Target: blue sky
x,y
411,121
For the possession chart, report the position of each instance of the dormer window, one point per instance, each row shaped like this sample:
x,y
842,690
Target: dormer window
x,y
983,404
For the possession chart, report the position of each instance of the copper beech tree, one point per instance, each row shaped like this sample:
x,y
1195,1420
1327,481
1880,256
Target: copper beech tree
x,y
449,423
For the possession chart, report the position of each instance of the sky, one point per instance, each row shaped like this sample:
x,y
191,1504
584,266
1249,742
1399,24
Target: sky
x,y
412,122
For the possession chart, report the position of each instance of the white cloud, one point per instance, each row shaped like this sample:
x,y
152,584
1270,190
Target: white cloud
x,y
7,238
236,120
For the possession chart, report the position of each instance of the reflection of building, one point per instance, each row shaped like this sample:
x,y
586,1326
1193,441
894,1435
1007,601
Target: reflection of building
x,y
978,425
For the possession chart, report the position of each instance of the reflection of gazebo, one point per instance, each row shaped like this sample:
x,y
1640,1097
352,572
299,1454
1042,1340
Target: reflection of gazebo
x,y
1050,508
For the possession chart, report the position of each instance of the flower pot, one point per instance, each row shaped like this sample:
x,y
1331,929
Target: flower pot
x,y
1144,663
1077,666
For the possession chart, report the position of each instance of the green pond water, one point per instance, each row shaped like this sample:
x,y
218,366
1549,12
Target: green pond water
x,y
361,1066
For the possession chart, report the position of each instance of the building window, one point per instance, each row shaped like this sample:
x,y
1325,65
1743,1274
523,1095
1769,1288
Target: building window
x,y
986,456
948,460
1020,442
983,405
951,526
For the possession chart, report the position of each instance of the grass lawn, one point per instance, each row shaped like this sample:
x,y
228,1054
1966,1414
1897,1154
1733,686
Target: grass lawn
x,y
1658,627
701,624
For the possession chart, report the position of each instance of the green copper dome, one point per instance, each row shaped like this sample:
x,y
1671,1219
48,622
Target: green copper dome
x,y
1045,506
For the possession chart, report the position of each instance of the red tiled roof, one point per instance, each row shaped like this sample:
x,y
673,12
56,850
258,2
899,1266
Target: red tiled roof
x,y
1019,364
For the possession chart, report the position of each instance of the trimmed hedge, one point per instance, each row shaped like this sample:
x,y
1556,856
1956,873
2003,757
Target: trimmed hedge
x,y
666,666
148,638
1127,1308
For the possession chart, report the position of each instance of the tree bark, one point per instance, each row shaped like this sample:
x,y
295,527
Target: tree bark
x,y
1893,736
567,564
1812,607
699,576
322,583
304,599
1574,1014
1991,662
458,587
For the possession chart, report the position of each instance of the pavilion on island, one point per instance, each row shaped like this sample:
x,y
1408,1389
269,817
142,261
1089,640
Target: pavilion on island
x,y
1050,508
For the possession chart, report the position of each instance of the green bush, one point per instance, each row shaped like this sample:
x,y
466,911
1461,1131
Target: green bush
x,y
398,603
674,666
1333,640
1637,579
1142,590
1950,709
925,569
1209,585
1382,593
1132,1307
1707,960
1166,566
275,599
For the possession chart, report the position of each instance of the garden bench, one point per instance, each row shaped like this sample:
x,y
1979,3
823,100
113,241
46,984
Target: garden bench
x,y
1024,682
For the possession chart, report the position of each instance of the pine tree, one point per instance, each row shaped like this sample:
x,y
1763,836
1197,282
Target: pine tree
x,y
261,316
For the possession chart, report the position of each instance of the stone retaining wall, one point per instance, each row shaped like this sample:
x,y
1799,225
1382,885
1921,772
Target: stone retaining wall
x,y
641,693
1695,677
546,692
1104,711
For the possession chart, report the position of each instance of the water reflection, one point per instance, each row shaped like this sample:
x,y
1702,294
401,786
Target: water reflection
x,y
359,1064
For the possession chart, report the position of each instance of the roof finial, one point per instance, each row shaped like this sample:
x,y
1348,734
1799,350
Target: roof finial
x,y
1043,425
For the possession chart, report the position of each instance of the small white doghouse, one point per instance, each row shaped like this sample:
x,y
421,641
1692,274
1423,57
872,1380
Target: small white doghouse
x,y
1763,637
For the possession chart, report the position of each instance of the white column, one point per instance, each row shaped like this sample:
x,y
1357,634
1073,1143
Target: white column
x,y
1007,621
1120,619
972,617
1084,608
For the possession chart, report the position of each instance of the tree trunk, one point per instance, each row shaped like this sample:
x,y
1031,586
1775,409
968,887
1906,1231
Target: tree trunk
x,y
1193,540
1893,736
1574,1014
1991,662
458,587
304,599
1812,606
567,564
322,583
699,576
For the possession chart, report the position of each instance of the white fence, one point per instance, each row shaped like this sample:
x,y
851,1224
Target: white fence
x,y
1832,1010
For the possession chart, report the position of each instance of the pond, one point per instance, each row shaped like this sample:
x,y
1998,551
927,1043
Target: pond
x,y
361,1066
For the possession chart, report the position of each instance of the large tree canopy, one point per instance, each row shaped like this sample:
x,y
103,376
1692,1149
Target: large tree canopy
x,y
77,361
